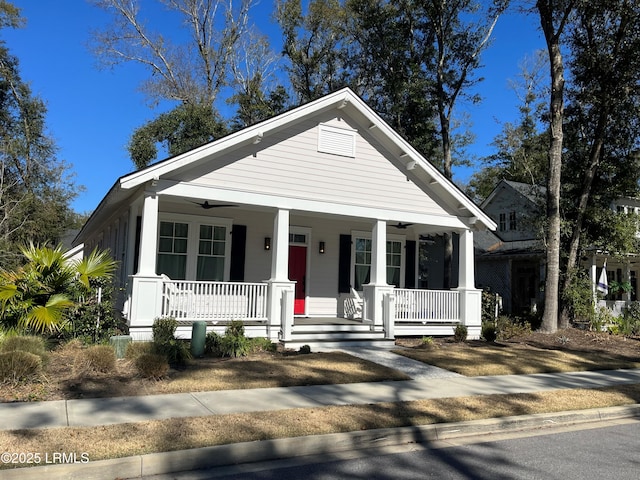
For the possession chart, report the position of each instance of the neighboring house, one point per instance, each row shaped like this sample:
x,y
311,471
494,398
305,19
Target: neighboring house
x,y
292,225
510,261
621,268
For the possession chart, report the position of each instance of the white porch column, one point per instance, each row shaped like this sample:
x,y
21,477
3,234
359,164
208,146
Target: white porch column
x,y
281,290
377,287
146,286
470,296
594,280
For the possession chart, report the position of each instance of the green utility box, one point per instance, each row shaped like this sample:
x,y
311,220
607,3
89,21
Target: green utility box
x,y
119,343
198,337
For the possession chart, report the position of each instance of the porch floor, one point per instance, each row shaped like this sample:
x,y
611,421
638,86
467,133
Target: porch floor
x,y
325,321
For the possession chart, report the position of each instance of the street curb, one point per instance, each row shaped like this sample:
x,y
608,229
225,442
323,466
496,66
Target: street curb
x,y
259,451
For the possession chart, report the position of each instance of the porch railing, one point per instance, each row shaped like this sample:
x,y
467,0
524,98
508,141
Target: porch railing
x,y
214,301
427,305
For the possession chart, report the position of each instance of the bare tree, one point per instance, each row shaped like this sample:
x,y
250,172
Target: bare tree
x,y
193,72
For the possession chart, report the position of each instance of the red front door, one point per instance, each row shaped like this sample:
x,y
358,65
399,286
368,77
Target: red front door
x,y
297,273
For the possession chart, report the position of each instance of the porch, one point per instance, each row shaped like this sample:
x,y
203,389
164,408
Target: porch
x,y
406,312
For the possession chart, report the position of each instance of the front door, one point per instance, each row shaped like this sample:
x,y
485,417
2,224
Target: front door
x,y
298,273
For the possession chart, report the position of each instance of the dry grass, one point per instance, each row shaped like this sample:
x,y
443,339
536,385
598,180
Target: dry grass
x,y
178,434
478,359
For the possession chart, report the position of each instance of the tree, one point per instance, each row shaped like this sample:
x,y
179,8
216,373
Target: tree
x,y
315,45
192,73
605,106
37,295
458,44
35,187
554,15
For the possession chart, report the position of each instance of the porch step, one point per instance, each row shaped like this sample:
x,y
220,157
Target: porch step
x,y
331,338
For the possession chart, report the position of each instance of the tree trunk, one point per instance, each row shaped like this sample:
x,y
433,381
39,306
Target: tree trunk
x,y
448,173
548,12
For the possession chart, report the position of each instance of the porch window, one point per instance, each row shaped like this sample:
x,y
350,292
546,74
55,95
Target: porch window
x,y
211,253
362,264
172,250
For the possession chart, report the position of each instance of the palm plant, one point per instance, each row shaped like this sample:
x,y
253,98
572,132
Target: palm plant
x,y
37,295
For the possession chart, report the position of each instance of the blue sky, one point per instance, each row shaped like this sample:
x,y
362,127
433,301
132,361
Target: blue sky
x,y
92,112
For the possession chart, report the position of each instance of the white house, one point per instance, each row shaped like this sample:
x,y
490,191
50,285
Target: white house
x,y
305,226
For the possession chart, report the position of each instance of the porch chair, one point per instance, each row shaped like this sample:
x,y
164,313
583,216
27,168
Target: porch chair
x,y
353,305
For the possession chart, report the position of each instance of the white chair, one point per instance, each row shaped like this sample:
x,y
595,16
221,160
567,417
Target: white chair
x,y
353,305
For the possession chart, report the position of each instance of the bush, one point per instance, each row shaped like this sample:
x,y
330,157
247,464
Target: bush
x,y
508,328
261,344
98,358
135,349
165,343
305,349
26,343
152,365
234,343
460,333
164,330
212,344
18,366
489,332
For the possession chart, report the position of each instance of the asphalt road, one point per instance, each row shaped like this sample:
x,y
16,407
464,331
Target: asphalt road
x,y
586,453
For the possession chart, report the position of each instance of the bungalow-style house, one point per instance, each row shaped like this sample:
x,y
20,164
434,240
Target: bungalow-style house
x,y
305,226
511,260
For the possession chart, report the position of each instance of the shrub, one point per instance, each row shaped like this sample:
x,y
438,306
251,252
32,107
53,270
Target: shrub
x,y
212,344
305,349
489,332
165,343
164,330
234,343
98,358
135,349
508,328
261,344
17,366
460,333
26,343
152,365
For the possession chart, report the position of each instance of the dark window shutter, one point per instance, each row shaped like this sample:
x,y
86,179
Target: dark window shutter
x,y
238,252
410,264
344,264
136,250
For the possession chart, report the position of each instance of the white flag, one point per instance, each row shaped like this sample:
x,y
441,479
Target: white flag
x,y
603,284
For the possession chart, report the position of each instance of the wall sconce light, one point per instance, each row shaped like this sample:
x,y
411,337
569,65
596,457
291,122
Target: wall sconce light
x,y
267,243
321,248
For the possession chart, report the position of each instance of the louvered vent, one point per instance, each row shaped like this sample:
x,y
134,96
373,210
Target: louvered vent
x,y
337,141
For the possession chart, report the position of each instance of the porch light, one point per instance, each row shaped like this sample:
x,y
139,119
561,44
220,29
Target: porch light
x,y
321,248
267,243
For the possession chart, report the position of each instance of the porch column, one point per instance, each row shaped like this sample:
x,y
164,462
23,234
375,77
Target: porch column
x,y
377,287
281,290
146,286
470,296
594,279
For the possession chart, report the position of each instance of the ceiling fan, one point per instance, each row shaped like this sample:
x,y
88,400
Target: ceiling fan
x,y
206,205
401,225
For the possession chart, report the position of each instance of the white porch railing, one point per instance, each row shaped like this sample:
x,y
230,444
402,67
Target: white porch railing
x,y
214,301
427,305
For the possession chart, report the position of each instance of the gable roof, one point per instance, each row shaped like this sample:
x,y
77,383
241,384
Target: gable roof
x,y
533,193
346,100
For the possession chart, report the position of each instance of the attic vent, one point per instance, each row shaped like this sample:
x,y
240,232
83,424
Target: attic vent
x,y
337,141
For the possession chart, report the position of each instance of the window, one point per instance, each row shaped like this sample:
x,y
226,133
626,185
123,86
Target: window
x,y
362,262
211,253
172,250
503,222
512,220
394,262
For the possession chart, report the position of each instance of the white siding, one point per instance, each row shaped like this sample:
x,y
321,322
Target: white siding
x,y
288,163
